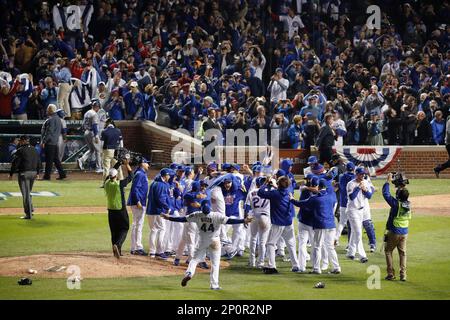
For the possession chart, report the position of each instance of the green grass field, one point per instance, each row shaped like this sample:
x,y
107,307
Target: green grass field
x,y
428,258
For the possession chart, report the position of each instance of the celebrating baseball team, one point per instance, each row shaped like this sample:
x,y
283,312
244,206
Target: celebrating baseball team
x,y
196,218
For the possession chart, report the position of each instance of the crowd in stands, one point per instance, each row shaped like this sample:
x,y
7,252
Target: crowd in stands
x,y
243,64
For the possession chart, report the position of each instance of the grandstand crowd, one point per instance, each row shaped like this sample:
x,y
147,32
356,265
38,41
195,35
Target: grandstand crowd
x,y
287,65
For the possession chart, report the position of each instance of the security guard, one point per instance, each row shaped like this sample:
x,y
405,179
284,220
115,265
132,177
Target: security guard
x,y
27,164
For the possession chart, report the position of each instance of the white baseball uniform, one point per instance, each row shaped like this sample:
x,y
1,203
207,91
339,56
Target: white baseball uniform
x,y
260,227
355,212
208,227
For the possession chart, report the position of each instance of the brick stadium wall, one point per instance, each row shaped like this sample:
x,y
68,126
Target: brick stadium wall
x,y
418,162
146,136
414,161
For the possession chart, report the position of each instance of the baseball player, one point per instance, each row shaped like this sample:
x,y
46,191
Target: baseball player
x,y
158,203
358,190
305,220
91,136
343,197
233,195
322,205
259,209
280,215
208,226
137,201
173,231
367,218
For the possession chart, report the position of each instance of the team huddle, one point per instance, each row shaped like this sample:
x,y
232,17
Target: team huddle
x,y
234,209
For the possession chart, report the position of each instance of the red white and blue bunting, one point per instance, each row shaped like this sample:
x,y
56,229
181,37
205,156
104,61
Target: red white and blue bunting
x,y
377,159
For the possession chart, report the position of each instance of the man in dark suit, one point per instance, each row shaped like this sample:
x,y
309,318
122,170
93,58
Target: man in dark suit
x,y
211,123
26,163
325,140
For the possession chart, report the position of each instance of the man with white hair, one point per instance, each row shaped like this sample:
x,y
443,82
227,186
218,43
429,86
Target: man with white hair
x,y
373,102
50,132
134,102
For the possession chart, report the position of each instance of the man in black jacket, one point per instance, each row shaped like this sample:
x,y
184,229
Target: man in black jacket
x,y
325,141
27,164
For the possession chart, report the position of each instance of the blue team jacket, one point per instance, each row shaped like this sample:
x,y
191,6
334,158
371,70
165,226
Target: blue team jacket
x,y
344,179
158,197
280,206
322,205
305,214
139,188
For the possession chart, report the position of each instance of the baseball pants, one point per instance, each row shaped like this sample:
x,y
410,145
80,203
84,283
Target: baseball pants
x,y
94,150
324,238
236,238
259,229
108,162
369,227
305,233
119,224
288,234
355,245
343,219
157,231
173,234
188,240
26,181
204,245
136,228
61,148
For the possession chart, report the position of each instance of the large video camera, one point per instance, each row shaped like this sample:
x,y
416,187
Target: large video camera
x,y
398,180
122,154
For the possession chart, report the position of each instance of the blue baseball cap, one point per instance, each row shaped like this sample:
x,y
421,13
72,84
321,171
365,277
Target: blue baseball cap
x,y
318,169
312,159
205,207
287,162
165,171
173,166
227,179
235,166
260,181
322,184
187,170
142,160
256,168
314,181
309,176
226,166
280,173
360,170
212,165
350,166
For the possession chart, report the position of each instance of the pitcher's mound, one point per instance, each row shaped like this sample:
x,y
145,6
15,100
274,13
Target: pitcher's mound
x,y
91,265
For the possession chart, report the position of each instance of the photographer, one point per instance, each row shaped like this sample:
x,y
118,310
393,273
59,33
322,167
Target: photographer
x,y
117,210
396,226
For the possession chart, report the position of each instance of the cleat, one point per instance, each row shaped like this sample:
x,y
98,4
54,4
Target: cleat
x,y
231,255
315,272
295,269
363,260
260,265
436,172
390,277
185,280
240,253
176,262
161,256
373,248
216,288
270,271
350,257
99,171
335,271
140,252
203,265
152,255
116,251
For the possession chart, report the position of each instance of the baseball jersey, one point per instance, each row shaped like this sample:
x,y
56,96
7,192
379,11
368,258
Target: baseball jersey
x,y
90,119
208,225
259,206
360,200
217,200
